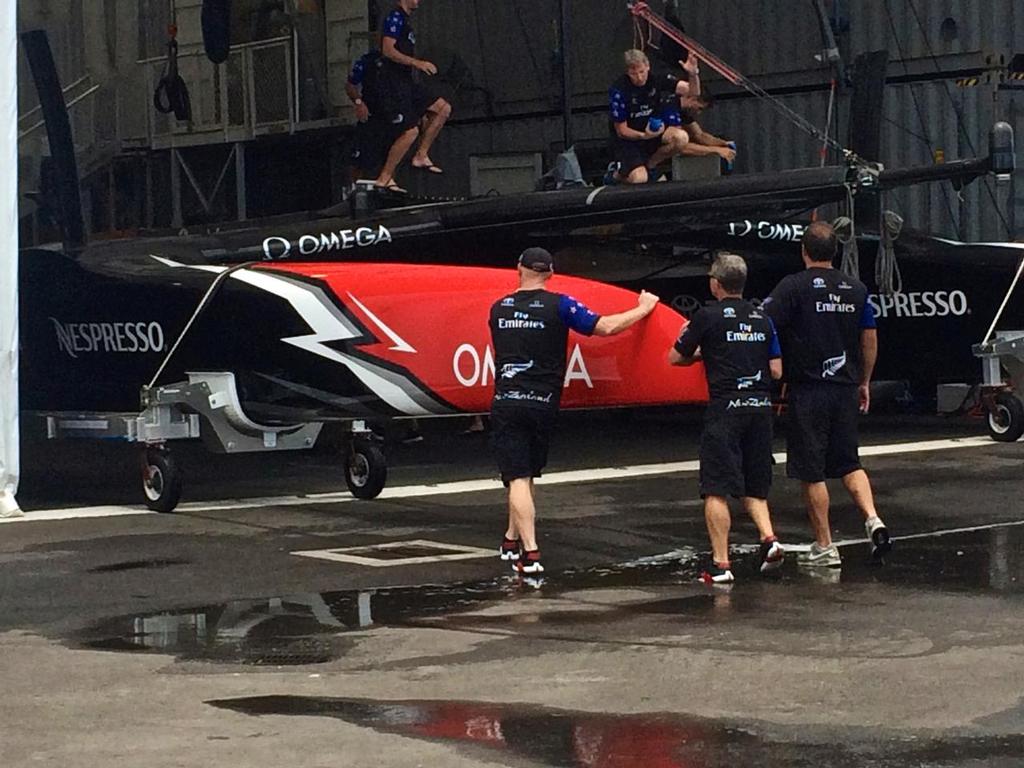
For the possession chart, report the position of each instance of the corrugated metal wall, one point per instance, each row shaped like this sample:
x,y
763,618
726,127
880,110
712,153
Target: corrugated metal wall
x,y
511,48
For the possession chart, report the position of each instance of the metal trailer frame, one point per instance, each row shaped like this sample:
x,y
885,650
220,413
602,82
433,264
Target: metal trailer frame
x,y
178,412
1003,398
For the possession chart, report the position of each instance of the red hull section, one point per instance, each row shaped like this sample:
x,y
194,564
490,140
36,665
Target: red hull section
x,y
432,321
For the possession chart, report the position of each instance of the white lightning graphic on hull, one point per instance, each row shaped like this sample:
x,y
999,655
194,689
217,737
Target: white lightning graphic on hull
x,y
327,325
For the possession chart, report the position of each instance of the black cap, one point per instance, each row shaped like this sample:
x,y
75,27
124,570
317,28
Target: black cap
x,y
536,259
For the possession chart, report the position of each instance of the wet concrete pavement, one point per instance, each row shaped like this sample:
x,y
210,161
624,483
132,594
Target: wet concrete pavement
x,y
200,638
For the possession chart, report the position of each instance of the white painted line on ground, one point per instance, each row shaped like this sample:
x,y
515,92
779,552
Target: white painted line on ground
x,y
76,513
457,552
898,538
477,486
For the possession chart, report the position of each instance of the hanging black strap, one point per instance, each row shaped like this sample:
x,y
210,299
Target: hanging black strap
x,y
171,93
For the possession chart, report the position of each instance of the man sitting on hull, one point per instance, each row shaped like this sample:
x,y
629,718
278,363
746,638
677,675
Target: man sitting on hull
x,y
642,140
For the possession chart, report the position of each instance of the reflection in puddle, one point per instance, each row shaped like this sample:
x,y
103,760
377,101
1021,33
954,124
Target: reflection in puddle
x,y
308,629
587,740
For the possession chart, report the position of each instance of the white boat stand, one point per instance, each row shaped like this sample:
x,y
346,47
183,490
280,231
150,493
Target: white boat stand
x,y
1003,397
178,411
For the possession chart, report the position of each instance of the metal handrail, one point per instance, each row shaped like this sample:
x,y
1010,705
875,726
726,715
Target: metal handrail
x,y
66,90
36,126
270,41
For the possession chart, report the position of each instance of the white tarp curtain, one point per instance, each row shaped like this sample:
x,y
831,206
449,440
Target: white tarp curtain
x,y
9,460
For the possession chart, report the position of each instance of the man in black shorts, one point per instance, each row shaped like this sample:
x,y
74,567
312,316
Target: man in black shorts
x,y
408,99
635,99
740,351
529,334
828,333
373,133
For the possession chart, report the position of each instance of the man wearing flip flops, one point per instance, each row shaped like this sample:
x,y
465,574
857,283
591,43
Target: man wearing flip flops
x,y
414,104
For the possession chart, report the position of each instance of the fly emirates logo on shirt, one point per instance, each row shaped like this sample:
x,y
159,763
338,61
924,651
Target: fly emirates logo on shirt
x,y
746,333
834,304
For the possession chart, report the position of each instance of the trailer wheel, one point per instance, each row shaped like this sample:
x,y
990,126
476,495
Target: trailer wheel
x,y
161,480
1006,418
366,470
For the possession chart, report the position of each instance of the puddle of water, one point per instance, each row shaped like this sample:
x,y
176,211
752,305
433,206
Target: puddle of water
x,y
307,629
518,733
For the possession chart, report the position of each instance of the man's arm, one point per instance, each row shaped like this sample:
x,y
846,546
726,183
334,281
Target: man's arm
x,y
775,368
869,355
610,325
390,51
623,131
355,95
692,67
686,350
675,358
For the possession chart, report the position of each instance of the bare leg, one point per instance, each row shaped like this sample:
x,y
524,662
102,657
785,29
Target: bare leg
x,y
859,486
673,143
758,511
395,154
437,115
637,176
816,498
716,515
523,513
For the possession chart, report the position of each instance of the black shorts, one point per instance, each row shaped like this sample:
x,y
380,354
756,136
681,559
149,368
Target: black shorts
x,y
404,100
372,140
821,431
520,436
736,452
633,154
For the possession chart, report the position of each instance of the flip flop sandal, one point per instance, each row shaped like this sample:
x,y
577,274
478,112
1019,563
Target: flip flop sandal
x,y
430,168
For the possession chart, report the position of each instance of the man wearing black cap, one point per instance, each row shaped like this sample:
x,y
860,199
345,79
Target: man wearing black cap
x,y
741,355
529,333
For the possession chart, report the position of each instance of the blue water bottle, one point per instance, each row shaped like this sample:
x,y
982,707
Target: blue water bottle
x,y
655,124
726,164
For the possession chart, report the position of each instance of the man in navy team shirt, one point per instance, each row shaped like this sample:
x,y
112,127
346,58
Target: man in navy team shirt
x,y
740,350
408,98
831,344
529,333
642,139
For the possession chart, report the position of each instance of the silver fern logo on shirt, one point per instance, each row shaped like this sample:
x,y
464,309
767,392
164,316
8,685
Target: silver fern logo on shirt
x,y
832,366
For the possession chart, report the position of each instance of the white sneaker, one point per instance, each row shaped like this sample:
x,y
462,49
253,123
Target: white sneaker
x,y
823,557
881,543
9,508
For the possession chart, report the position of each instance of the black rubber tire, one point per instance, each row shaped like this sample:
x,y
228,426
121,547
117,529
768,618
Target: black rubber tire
x,y
1006,418
366,470
161,481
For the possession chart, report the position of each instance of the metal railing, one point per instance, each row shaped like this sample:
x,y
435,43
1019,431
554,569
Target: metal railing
x,y
251,93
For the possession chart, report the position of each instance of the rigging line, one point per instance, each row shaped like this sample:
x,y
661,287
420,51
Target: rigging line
x,y
900,126
920,116
959,115
517,12
641,10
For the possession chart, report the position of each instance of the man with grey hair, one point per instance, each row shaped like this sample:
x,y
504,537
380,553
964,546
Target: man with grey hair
x,y
642,140
740,351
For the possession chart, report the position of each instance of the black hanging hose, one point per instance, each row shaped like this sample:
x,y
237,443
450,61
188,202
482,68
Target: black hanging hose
x,y
171,93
